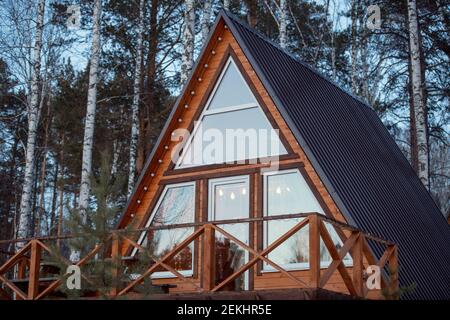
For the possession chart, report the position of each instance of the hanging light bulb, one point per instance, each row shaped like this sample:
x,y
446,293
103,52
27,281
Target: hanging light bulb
x,y
232,196
220,192
278,190
244,191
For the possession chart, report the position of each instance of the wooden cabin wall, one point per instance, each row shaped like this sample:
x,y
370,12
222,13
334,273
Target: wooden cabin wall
x,y
160,170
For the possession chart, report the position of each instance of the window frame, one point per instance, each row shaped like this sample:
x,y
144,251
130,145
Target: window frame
x,y
167,187
205,112
212,183
298,266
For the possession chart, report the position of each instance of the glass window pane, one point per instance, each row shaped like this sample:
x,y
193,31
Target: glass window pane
x,y
231,91
177,206
294,250
289,193
231,201
233,136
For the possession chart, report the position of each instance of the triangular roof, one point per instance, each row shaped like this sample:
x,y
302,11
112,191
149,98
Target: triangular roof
x,y
354,155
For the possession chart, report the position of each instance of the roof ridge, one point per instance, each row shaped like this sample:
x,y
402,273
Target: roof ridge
x,y
295,58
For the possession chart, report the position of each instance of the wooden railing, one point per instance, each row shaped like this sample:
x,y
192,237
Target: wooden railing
x,y
27,261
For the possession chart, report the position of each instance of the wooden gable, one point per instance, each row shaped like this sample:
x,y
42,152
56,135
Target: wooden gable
x,y
160,170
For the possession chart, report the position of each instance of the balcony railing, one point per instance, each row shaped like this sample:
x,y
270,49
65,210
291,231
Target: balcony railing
x,y
22,276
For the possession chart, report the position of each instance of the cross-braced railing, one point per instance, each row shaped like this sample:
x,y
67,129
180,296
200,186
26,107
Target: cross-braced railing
x,y
26,263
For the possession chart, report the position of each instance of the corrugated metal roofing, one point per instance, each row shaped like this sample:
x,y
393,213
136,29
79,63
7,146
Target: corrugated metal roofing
x,y
358,161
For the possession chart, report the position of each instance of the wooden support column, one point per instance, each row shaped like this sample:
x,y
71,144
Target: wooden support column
x,y
393,273
209,245
358,266
314,250
35,265
116,259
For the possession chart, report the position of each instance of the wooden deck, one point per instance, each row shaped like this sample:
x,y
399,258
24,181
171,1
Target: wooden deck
x,y
23,276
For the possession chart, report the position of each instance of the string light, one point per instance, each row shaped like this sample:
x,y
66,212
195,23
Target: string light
x,y
186,106
232,196
278,190
244,191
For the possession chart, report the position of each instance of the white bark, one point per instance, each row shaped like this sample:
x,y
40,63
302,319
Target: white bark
x,y
354,14
283,23
226,4
86,165
135,106
188,41
24,228
418,99
206,20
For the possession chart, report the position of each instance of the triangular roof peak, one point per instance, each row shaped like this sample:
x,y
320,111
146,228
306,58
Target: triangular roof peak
x,y
352,152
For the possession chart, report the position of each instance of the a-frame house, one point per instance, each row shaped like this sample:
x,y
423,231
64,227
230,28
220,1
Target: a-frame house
x,y
324,152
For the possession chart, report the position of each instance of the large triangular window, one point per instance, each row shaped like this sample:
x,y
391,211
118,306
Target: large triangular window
x,y
232,127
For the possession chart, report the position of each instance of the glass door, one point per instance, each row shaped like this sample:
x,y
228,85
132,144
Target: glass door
x,y
229,199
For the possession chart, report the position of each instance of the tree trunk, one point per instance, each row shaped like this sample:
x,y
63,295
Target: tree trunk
x,y
226,4
188,41
52,228
283,23
41,207
135,106
252,17
33,119
418,99
354,15
206,20
86,166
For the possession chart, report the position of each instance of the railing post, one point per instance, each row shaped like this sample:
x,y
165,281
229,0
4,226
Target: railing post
x,y
358,267
393,273
115,260
35,265
209,245
314,250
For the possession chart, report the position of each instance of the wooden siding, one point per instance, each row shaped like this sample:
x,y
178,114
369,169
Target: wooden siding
x,y
161,170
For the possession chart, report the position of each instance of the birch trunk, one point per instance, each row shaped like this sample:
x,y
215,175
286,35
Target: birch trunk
x,y
283,23
188,41
417,91
206,20
354,11
24,223
226,4
86,166
135,107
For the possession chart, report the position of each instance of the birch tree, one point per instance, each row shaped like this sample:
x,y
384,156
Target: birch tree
x,y
24,224
226,4
188,40
86,165
283,23
206,20
417,92
136,99
354,13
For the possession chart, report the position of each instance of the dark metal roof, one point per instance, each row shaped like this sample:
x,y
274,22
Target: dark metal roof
x,y
358,161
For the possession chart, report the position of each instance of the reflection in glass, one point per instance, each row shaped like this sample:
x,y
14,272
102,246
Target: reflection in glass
x,y
233,136
230,201
232,90
288,193
177,206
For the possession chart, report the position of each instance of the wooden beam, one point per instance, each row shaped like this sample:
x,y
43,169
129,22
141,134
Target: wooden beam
x,y
393,272
209,245
35,266
314,251
358,266
115,260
